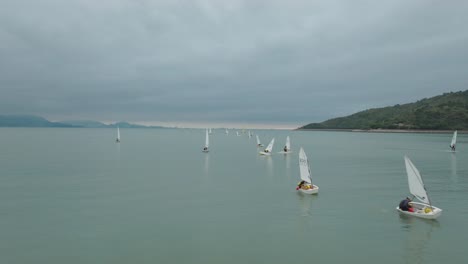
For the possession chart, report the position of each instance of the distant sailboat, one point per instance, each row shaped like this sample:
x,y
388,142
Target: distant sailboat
x,y
424,209
454,141
118,135
237,133
268,149
250,134
227,132
287,147
258,142
207,142
305,185
210,131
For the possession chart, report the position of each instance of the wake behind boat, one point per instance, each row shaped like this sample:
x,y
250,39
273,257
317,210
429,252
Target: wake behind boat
x,y
305,186
267,151
424,208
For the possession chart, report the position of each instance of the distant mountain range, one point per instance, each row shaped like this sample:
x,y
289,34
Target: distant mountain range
x,y
448,111
37,121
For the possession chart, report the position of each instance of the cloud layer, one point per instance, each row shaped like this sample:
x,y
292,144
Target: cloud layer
x,y
226,61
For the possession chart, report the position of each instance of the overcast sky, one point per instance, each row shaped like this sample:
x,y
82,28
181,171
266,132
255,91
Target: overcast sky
x,y
226,61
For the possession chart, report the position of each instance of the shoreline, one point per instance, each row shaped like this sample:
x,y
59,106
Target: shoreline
x,y
419,131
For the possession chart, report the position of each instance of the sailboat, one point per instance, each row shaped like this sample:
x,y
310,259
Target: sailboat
x,y
207,142
250,134
237,133
424,208
258,142
287,147
210,131
118,135
268,149
305,185
227,132
454,141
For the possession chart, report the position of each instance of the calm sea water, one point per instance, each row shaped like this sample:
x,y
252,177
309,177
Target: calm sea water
x,y
75,196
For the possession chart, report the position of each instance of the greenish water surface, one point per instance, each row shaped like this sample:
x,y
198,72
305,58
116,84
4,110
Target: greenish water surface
x,y
75,196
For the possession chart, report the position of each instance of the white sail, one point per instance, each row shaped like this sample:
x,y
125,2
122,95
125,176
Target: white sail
x,y
304,167
454,139
258,141
250,134
269,148
210,130
118,134
415,182
227,132
207,139
288,144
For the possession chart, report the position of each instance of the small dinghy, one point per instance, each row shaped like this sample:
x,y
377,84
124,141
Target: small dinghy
x,y
117,140
287,147
207,142
454,141
258,142
267,151
305,186
424,208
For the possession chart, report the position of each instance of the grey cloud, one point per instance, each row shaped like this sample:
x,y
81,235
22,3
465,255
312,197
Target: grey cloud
x,y
252,61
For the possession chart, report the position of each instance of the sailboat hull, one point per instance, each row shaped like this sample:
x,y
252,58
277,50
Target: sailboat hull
x,y
420,211
265,153
310,191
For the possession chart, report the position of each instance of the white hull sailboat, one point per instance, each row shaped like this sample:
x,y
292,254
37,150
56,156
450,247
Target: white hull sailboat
x,y
454,141
424,208
227,132
117,140
287,147
269,148
305,186
207,142
258,142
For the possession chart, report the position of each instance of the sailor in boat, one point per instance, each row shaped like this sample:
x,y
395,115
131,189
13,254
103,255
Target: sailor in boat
x,y
285,149
304,185
452,147
205,149
266,151
405,205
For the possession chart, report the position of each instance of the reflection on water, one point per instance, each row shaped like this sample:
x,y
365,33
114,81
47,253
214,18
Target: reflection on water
x,y
287,159
206,167
305,203
269,166
419,235
454,166
118,150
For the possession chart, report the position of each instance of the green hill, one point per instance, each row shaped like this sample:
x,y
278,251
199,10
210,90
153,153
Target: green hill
x,y
444,112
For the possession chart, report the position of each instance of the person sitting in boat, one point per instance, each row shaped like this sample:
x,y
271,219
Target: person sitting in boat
x,y
205,149
266,151
300,185
405,205
285,149
452,147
